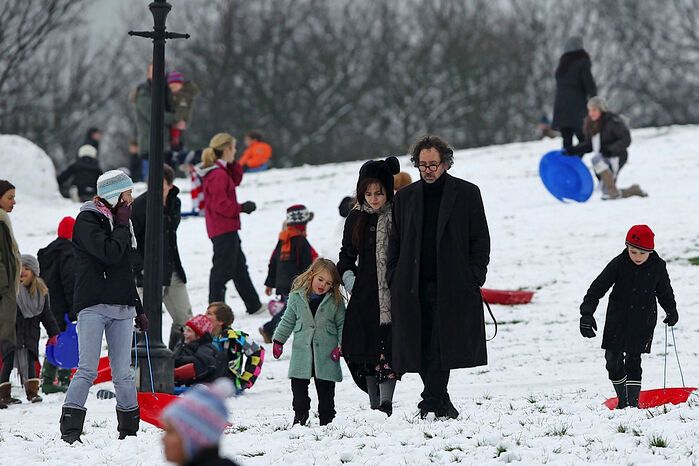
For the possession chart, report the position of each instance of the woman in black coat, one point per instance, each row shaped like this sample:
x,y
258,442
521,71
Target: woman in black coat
x,y
366,340
574,86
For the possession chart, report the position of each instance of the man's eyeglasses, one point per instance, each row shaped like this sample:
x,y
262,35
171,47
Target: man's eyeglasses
x,y
431,167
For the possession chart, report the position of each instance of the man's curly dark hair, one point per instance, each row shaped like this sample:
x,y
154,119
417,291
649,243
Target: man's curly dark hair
x,y
430,141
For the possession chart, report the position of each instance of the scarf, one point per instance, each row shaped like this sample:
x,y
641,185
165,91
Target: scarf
x,y
291,231
99,207
4,218
30,306
383,227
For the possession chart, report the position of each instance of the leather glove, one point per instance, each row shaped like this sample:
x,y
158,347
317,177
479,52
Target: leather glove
x,y
588,326
142,322
348,280
122,214
53,341
277,349
671,319
248,207
336,354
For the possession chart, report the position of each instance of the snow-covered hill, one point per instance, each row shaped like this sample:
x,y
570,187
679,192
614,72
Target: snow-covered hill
x,y
540,398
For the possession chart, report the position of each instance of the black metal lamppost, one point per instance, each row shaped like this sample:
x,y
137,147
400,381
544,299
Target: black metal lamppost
x,y
160,356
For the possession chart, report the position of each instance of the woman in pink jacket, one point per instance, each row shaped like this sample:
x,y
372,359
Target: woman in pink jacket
x,y
222,174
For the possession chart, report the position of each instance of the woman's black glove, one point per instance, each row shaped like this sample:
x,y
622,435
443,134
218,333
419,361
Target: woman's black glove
x,y
588,326
248,207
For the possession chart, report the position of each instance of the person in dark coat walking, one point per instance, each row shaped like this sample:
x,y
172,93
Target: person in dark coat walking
x,y
106,302
292,255
81,175
638,277
222,174
32,309
574,86
175,296
93,137
57,264
194,424
608,137
196,357
439,250
367,331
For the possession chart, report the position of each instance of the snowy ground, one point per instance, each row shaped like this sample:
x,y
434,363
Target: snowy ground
x,y
540,398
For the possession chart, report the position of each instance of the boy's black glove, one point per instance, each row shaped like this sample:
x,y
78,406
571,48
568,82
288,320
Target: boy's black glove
x,y
248,207
671,319
588,326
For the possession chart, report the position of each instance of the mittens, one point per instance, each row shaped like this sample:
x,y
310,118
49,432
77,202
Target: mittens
x,y
277,349
142,322
588,326
248,207
53,341
336,354
671,319
122,214
348,280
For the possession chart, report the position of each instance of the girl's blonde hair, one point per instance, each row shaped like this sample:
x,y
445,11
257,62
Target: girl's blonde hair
x,y
305,280
215,150
38,285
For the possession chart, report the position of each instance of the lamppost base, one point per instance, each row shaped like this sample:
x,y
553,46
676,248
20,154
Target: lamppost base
x,y
161,364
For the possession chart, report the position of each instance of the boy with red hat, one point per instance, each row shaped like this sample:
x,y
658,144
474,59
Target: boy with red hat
x,y
195,356
638,276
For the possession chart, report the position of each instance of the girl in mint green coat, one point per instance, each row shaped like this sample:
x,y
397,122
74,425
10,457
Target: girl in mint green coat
x,y
315,313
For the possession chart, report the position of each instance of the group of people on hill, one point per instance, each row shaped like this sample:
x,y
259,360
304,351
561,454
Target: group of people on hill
x,y
578,111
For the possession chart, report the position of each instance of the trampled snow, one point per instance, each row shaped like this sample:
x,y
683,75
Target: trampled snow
x,y
539,400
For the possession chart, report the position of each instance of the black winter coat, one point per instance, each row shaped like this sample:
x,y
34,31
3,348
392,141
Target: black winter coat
x,y
57,263
103,271
172,215
361,342
29,332
463,254
615,138
632,311
574,87
202,353
281,274
84,173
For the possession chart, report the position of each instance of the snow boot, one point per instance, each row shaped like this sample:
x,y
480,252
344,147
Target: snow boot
x,y
620,389
31,388
325,420
610,189
386,407
6,394
48,375
3,406
72,420
386,388
63,379
128,422
300,418
265,335
372,386
447,411
633,391
633,190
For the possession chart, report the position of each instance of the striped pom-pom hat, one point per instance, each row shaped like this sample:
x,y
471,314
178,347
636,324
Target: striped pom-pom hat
x,y
111,184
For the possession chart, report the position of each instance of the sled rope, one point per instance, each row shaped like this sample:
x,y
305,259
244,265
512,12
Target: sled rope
x,y
150,368
672,329
135,353
665,361
480,290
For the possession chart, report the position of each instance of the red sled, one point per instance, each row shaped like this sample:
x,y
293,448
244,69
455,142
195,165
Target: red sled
x,y
657,397
152,405
507,297
104,371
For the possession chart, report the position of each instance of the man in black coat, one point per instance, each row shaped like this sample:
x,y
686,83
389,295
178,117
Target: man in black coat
x,y
82,175
438,253
175,296
57,264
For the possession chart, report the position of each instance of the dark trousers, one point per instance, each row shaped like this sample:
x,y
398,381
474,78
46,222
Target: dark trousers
x,y
326,398
620,365
272,324
229,264
435,380
567,135
8,363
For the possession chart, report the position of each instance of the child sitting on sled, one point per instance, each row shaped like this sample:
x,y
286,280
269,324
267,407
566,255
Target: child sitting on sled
x,y
195,355
638,276
240,358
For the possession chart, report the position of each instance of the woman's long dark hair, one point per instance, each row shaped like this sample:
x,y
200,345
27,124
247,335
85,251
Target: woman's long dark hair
x,y
569,58
360,226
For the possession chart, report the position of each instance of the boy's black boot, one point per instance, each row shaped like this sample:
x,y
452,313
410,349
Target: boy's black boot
x,y
301,418
620,389
127,422
633,391
72,420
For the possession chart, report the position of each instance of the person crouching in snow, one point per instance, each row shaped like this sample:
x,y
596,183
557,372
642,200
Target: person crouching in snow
x,y
107,303
315,313
194,424
638,276
32,308
240,358
195,355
